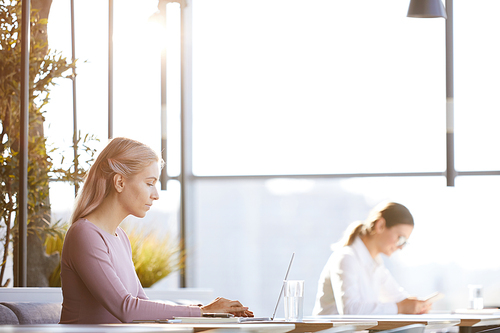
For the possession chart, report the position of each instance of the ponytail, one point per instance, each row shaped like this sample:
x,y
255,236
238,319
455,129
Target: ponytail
x,y
392,212
354,230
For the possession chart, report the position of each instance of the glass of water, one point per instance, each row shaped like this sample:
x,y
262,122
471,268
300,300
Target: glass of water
x,y
293,291
475,296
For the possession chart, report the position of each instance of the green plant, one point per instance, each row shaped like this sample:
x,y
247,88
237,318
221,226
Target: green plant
x,y
54,244
45,67
154,256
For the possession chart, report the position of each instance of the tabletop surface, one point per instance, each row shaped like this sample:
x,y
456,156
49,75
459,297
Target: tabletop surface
x,y
106,328
247,326
334,324
471,319
386,322
269,327
358,324
433,320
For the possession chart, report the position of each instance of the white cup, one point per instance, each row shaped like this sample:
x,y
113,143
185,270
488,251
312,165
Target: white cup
x,y
475,296
293,291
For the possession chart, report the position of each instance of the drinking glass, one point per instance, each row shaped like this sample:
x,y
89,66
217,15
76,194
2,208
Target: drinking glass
x,y
294,299
475,296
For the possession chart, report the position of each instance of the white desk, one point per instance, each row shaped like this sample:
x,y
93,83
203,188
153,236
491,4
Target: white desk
x,y
468,321
257,327
149,328
275,327
358,324
108,328
387,322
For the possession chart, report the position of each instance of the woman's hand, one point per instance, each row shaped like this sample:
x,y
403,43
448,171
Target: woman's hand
x,y
413,306
223,305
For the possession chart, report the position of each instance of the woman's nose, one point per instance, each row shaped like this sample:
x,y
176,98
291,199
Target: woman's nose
x,y
155,195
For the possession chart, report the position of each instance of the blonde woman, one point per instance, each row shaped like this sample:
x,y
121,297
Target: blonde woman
x,y
355,281
99,282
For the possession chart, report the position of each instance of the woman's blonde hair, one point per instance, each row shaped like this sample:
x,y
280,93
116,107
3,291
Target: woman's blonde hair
x,y
393,214
121,156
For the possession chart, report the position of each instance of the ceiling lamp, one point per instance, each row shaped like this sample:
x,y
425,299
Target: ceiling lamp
x,y
426,8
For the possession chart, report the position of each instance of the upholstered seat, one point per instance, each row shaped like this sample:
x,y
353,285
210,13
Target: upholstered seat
x,y
7,316
32,313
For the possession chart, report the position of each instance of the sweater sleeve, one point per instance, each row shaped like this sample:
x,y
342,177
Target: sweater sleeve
x,y
141,294
140,291
91,260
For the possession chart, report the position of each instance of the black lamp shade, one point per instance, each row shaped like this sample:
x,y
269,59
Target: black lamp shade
x,y
426,8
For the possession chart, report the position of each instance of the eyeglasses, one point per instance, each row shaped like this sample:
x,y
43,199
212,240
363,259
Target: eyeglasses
x,y
401,241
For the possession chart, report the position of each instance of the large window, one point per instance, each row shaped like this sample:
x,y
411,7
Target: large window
x,y
246,231
477,70
290,87
334,87
287,96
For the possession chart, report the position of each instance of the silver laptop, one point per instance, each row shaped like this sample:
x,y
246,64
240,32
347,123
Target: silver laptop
x,y
250,319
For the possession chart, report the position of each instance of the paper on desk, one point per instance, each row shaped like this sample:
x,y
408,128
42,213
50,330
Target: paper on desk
x,y
486,311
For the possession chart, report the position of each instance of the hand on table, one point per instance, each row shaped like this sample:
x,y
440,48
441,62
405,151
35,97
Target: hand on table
x,y
227,306
413,306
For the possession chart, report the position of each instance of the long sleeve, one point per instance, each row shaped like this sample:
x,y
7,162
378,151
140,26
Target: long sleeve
x,y
325,298
390,290
358,296
141,293
352,282
99,281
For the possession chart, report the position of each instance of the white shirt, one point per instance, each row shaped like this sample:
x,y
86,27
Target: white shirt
x,y
352,282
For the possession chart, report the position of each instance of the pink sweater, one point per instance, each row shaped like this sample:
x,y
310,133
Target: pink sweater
x,y
99,283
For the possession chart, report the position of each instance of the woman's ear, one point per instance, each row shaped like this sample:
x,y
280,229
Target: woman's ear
x,y
380,225
118,182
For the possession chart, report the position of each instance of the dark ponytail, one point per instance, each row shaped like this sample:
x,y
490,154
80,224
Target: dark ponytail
x,y
393,213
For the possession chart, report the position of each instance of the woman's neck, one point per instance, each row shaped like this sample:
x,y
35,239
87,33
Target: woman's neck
x,y
107,216
370,245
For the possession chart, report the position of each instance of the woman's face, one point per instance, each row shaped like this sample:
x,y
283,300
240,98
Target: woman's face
x,y
393,238
140,191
